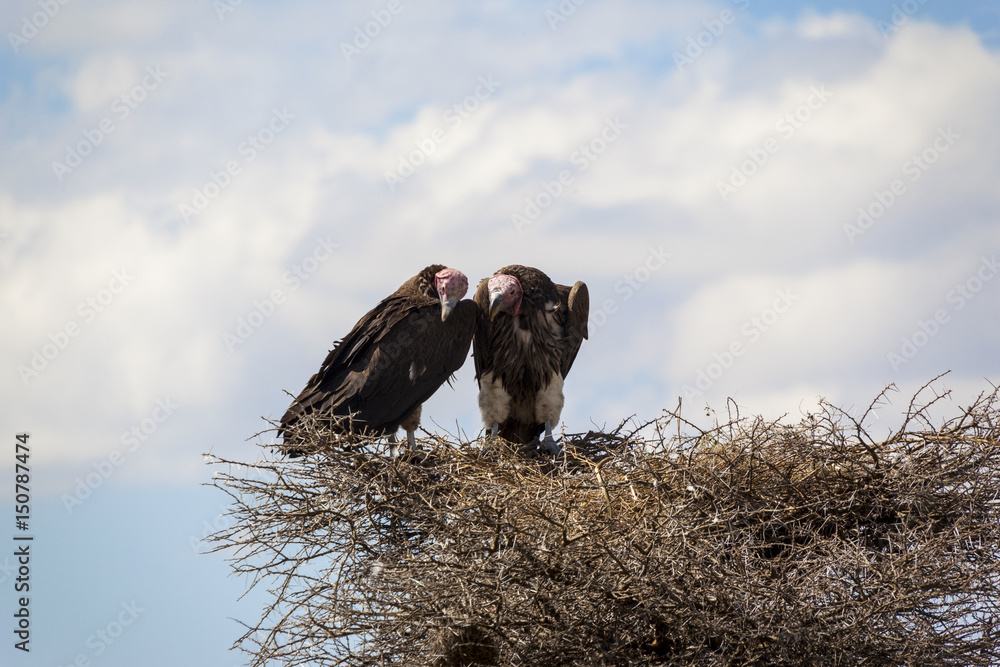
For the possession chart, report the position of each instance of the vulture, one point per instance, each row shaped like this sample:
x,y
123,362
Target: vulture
x,y
392,361
523,349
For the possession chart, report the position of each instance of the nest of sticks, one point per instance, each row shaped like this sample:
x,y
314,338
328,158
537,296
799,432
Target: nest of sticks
x,y
752,543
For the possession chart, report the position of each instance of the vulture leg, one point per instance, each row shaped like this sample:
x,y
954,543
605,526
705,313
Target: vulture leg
x,y
548,443
495,430
410,424
393,447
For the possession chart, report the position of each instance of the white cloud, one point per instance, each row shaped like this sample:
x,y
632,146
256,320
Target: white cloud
x,y
836,25
102,78
655,185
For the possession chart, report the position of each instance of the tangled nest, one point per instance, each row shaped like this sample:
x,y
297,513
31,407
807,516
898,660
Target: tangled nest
x,y
752,543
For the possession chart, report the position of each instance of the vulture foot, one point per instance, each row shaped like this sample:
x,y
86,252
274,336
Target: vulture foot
x,y
393,446
548,444
492,435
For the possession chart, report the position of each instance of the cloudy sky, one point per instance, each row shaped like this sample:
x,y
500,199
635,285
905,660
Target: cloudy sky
x,y
769,201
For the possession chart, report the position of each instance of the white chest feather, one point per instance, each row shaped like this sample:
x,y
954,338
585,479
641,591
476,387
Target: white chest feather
x,y
494,401
549,401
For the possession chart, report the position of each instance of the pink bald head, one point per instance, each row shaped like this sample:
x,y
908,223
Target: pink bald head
x,y
451,283
451,286
505,295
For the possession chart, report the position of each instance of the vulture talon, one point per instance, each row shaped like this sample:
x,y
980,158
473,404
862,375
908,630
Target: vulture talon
x,y
548,444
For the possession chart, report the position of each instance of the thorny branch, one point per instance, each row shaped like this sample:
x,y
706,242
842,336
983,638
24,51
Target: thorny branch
x,y
751,543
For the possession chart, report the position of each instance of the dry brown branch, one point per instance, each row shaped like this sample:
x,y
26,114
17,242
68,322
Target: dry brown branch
x,y
754,543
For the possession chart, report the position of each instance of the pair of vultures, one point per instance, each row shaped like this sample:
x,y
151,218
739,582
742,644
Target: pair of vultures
x,y
524,330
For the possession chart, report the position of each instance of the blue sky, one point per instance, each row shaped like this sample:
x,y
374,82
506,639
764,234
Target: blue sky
x,y
769,201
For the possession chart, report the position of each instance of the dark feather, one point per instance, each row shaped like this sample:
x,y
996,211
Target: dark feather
x,y
575,303
393,360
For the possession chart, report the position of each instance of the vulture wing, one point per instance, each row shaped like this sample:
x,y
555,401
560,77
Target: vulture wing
x,y
393,360
481,354
415,358
575,303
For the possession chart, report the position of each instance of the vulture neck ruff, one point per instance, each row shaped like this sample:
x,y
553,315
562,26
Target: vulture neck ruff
x,y
526,352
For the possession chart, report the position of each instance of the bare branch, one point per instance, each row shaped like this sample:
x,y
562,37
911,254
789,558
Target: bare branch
x,y
752,542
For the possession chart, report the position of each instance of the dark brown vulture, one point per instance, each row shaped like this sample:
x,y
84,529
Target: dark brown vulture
x,y
393,359
523,349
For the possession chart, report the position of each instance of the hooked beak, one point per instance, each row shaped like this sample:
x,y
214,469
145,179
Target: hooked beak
x,y
495,303
446,306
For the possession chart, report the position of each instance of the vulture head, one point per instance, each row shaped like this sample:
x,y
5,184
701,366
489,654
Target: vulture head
x,y
505,295
451,286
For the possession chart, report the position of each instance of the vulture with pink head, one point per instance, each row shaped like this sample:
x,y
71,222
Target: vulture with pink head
x,y
531,332
392,361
